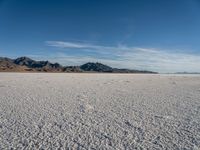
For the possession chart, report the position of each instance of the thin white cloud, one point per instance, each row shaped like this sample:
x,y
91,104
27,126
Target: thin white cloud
x,y
129,57
61,44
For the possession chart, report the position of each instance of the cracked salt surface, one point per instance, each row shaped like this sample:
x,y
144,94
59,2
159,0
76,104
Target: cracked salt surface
x,y
99,111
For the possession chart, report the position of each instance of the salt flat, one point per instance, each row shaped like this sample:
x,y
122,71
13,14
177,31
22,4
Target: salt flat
x,y
99,111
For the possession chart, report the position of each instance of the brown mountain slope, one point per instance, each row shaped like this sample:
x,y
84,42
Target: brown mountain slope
x,y
7,65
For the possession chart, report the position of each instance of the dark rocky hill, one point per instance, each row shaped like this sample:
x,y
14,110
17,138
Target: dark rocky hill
x,y
96,67
38,65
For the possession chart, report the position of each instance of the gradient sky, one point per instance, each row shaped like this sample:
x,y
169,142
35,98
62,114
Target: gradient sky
x,y
157,35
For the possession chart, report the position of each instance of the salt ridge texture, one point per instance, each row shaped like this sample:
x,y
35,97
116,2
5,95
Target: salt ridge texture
x,y
99,111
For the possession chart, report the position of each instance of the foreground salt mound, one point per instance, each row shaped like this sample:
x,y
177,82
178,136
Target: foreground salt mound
x,y
99,111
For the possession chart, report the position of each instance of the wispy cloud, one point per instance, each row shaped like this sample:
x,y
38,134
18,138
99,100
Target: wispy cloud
x,y
128,57
61,44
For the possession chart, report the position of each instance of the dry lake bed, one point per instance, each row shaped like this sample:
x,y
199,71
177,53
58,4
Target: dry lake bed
x,y
99,111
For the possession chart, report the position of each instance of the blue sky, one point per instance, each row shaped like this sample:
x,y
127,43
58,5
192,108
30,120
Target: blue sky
x,y
157,35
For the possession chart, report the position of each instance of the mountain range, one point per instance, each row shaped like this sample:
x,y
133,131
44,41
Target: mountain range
x,y
25,64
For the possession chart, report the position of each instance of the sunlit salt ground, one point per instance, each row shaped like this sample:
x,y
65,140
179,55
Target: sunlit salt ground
x,y
99,111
